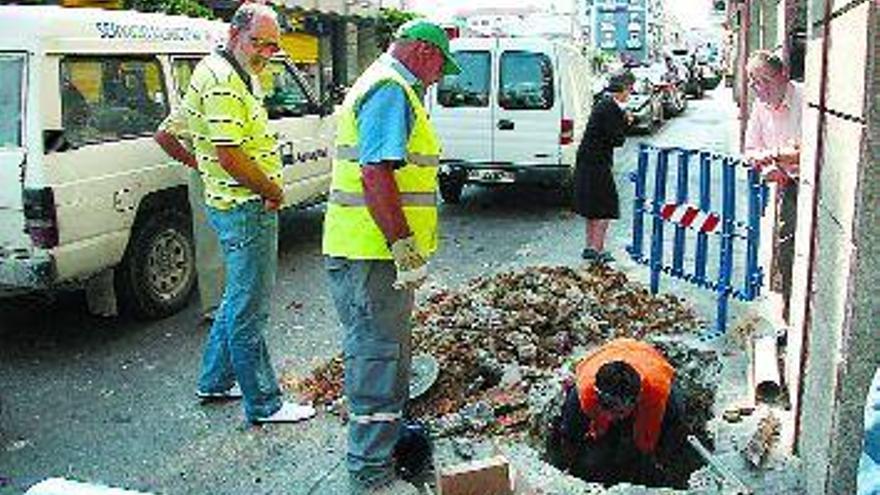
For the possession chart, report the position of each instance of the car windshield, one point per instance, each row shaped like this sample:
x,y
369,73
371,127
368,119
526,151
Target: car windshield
x,y
11,71
648,73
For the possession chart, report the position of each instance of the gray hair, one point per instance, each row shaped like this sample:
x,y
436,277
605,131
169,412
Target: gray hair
x,y
766,58
244,17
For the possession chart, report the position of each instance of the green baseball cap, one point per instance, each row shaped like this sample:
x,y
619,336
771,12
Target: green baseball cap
x,y
420,29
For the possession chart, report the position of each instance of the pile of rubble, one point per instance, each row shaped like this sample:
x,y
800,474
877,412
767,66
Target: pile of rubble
x,y
505,339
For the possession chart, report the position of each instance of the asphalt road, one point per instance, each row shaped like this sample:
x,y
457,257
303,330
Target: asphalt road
x,y
111,400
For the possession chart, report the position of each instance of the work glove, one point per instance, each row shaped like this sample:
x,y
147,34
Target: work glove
x,y
411,266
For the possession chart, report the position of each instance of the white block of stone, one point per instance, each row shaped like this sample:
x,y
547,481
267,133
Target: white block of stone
x,y
61,486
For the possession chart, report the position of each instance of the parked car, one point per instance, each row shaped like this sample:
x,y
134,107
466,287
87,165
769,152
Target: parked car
x,y
513,115
693,78
711,75
645,105
87,198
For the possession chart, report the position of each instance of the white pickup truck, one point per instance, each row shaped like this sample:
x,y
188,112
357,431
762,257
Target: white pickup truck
x,y
86,196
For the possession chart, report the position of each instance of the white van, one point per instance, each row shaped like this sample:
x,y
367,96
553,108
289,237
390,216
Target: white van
x,y
514,114
86,196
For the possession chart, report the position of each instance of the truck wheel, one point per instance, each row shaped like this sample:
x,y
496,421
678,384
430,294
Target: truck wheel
x,y
158,272
450,190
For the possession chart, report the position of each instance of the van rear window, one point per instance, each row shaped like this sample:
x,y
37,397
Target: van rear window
x,y
181,70
107,98
470,88
526,81
11,100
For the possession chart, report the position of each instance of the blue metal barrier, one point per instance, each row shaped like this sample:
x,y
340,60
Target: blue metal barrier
x,y
720,232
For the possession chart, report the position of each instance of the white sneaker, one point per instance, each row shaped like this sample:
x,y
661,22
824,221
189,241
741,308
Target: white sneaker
x,y
233,393
289,413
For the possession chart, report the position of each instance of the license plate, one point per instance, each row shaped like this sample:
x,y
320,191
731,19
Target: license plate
x,y
494,176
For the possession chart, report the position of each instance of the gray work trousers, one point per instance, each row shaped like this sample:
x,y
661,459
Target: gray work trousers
x,y
209,259
783,244
377,346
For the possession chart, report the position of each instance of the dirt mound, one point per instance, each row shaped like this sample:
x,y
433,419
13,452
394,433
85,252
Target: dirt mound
x,y
502,338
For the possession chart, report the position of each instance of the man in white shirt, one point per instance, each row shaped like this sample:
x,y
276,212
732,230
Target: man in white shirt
x,y
773,132
772,145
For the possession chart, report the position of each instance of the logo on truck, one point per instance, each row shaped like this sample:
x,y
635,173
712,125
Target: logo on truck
x,y
149,32
289,156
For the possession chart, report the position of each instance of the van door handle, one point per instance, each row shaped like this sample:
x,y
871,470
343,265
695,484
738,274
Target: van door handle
x,y
505,125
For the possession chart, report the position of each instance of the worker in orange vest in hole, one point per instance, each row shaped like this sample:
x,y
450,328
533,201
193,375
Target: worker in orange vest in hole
x,y
623,409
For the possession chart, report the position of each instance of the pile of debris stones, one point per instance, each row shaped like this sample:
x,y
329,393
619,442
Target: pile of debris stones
x,y
505,342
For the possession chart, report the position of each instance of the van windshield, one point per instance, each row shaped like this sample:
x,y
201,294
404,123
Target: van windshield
x,y
470,88
11,101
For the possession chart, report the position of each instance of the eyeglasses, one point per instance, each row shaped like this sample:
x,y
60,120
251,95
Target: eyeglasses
x,y
264,45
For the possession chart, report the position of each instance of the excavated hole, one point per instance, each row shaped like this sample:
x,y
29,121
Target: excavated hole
x,y
697,374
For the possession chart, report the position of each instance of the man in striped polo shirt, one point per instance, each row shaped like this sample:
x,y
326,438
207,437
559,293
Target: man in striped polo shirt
x,y
238,159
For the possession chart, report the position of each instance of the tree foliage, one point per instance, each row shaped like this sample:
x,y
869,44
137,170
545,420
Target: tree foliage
x,y
190,8
388,22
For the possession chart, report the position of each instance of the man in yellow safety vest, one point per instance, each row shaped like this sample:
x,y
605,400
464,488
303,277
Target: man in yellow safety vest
x,y
379,230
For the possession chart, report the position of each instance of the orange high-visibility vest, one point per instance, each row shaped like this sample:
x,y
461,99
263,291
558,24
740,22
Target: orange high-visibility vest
x,y
656,374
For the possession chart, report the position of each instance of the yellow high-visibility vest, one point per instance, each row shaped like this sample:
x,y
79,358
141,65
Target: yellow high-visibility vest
x,y
349,229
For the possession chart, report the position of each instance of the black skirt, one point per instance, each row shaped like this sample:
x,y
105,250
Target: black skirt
x,y
595,193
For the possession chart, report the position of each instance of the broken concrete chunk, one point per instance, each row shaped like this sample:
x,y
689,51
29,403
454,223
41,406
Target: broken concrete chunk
x,y
732,415
765,437
746,410
464,448
527,352
489,476
512,376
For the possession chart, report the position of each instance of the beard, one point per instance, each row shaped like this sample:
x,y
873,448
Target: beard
x,y
256,64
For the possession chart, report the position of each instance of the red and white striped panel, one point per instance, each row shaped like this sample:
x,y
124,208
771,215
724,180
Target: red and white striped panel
x,y
690,216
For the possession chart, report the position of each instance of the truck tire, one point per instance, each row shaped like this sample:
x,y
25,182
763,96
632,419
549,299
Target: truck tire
x,y
158,271
450,189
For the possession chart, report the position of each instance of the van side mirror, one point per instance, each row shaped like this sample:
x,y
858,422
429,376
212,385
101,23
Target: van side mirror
x,y
55,140
326,106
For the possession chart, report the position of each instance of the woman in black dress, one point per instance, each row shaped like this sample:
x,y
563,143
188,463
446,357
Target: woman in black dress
x,y
595,192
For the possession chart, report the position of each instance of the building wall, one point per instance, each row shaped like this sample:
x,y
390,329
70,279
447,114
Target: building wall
x,y
368,47
656,23
588,21
497,22
621,27
770,24
352,62
842,348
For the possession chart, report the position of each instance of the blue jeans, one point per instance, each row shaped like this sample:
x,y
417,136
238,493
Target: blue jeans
x,y
236,348
377,346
